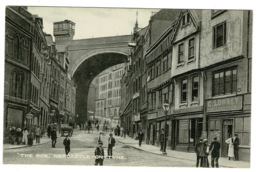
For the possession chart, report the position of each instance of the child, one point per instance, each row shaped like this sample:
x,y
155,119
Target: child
x,y
99,153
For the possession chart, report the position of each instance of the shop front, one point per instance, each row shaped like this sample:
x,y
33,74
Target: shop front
x,y
187,131
227,116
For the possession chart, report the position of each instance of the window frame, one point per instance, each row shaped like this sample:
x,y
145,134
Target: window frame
x,y
184,91
180,53
216,36
191,47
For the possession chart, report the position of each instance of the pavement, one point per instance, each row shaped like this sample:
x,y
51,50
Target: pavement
x,y
223,162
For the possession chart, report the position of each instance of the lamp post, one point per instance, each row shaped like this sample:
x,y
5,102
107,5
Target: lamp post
x,y
166,108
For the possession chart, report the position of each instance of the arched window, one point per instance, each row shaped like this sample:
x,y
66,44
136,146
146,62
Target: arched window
x,y
22,50
16,47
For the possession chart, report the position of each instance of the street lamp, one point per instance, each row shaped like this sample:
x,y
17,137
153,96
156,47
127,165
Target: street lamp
x,y
166,108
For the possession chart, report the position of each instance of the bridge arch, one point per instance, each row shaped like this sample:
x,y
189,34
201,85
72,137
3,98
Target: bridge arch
x,y
87,70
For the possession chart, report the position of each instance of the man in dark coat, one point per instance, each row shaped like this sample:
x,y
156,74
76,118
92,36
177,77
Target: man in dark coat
x,y
236,146
201,150
215,151
161,139
66,143
197,149
49,131
140,137
99,153
53,137
111,144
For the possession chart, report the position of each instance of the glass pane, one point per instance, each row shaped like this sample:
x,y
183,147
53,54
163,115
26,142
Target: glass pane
x,y
238,124
247,125
218,126
245,139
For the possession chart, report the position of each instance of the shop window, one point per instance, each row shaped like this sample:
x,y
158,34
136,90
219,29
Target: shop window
x,y
219,35
224,82
180,53
242,129
195,88
184,91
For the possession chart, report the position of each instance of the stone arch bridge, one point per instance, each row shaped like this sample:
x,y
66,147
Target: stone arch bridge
x,y
87,58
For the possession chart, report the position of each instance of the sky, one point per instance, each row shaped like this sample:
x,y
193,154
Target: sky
x,y
94,22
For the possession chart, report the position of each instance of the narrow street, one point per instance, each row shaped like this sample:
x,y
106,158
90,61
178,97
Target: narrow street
x,y
82,151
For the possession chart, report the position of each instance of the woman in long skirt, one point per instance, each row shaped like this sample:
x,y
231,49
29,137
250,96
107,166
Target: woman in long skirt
x,y
230,142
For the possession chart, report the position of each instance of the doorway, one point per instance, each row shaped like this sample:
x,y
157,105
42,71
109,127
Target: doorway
x,y
227,130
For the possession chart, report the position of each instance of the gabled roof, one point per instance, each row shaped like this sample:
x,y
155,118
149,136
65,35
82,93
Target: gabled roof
x,y
166,14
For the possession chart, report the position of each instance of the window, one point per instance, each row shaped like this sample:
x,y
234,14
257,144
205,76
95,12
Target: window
x,y
17,84
185,19
165,63
158,68
160,98
191,48
16,47
219,37
225,82
173,94
166,94
184,91
195,88
180,53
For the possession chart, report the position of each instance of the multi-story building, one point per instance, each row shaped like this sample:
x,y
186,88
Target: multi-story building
x,y
109,95
158,57
225,51
18,47
187,110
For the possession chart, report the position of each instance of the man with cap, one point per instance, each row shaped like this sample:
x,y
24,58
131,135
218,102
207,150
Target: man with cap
x,y
53,137
99,153
66,143
111,144
215,151
161,139
197,150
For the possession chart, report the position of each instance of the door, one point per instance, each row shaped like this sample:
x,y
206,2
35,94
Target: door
x,y
173,135
227,130
154,134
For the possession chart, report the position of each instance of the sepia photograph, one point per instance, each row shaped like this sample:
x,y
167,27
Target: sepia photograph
x,y
127,86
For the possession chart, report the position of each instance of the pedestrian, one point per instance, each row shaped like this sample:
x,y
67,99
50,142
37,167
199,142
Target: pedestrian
x,y
12,134
199,159
206,148
97,127
111,144
140,137
161,139
19,135
99,154
66,143
49,130
202,153
100,137
25,136
236,147
121,131
38,134
230,142
30,138
215,152
53,137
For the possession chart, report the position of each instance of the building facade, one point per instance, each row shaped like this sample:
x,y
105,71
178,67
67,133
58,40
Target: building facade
x,y
226,60
18,47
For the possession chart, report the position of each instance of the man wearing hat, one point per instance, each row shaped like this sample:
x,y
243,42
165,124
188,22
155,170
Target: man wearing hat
x,y
53,137
197,150
66,143
99,153
215,151
111,144
161,139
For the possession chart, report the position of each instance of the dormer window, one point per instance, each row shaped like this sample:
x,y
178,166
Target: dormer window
x,y
185,19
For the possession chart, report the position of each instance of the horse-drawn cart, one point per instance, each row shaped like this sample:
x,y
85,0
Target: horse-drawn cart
x,y
66,130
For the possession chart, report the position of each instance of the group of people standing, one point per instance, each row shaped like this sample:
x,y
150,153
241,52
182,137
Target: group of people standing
x,y
99,151
203,150
25,136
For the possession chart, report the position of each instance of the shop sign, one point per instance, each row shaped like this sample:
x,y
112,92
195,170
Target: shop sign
x,y
224,104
